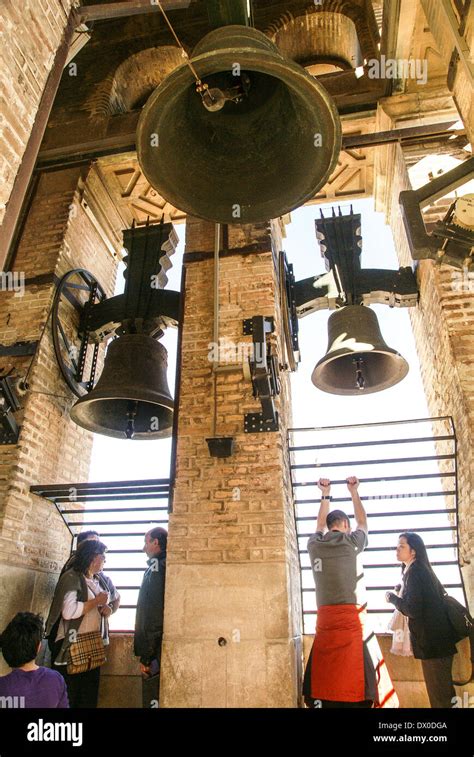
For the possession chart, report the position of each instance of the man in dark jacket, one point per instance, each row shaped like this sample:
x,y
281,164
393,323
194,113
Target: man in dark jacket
x,y
149,617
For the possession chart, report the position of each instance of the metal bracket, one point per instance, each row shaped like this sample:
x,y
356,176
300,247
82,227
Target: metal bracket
x,y
250,324
346,282
264,375
9,429
456,244
18,349
255,423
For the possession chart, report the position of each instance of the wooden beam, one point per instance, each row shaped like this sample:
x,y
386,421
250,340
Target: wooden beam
x,y
108,11
20,187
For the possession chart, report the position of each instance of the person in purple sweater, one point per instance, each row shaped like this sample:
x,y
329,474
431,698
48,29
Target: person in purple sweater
x,y
28,685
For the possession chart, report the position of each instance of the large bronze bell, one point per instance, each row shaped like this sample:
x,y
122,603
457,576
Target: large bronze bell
x,y
262,140
357,360
131,398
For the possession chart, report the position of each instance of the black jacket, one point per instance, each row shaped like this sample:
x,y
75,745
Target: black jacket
x,y
431,633
150,607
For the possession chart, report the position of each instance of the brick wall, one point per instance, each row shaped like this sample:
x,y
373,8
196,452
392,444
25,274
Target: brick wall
x,y
232,559
442,323
30,34
58,236
461,86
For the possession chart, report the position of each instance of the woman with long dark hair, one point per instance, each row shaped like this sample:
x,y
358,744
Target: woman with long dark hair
x,y
432,636
75,624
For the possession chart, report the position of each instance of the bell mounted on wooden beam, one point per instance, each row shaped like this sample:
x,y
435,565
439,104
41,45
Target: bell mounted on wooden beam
x,y
357,361
254,138
131,399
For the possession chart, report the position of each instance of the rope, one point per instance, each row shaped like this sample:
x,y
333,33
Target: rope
x,y
201,88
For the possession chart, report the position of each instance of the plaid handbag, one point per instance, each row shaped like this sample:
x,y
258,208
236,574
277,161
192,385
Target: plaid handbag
x,y
86,653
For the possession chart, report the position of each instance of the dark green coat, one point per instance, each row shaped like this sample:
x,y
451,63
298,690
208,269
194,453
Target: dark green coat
x,y
150,610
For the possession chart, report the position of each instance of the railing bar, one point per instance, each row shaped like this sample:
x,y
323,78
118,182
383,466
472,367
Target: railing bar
x,y
378,423
115,570
373,480
124,552
101,485
403,495
128,588
62,493
377,462
116,522
397,531
386,515
314,612
140,533
377,565
115,498
390,587
113,510
414,440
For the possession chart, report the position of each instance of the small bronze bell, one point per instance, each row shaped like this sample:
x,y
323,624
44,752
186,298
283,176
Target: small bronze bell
x,y
131,398
357,360
259,138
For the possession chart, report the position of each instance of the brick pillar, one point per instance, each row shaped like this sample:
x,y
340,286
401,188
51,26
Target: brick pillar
x,y
233,570
61,232
442,325
458,79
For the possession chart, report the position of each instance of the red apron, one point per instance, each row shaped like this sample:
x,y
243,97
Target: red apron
x,y
337,658
337,671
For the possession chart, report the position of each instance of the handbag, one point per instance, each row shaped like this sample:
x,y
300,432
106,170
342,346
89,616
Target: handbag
x,y
459,617
86,653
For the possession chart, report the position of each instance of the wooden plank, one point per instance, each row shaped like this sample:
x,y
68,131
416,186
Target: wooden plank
x,y
104,11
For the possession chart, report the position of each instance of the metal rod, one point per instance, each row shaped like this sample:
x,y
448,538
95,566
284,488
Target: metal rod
x,y
377,479
140,533
414,440
114,510
215,363
381,565
115,498
392,514
378,462
369,567
390,587
397,531
115,522
100,485
378,423
403,495
371,611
